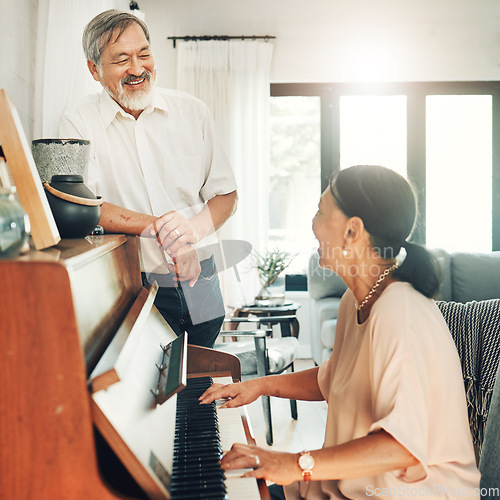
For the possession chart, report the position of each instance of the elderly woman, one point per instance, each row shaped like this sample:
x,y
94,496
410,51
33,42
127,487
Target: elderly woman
x,y
397,421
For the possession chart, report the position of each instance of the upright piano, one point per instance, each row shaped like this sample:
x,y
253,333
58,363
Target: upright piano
x,y
95,386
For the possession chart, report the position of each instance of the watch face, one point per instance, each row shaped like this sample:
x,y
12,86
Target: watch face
x,y
306,462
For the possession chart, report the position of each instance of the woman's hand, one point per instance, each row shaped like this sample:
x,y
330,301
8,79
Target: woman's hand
x,y
279,467
238,394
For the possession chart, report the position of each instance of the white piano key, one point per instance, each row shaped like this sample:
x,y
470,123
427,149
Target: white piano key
x,y
236,473
242,488
230,427
231,431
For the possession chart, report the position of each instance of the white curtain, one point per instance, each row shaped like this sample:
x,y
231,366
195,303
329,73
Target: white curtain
x,y
61,74
233,78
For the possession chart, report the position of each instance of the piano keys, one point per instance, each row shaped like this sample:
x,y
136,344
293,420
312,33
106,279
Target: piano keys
x,y
196,469
203,434
81,341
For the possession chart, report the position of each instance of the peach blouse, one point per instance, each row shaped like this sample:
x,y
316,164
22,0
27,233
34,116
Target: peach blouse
x,y
398,371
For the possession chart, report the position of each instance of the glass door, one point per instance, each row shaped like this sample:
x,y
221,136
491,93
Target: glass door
x,y
459,172
373,131
294,179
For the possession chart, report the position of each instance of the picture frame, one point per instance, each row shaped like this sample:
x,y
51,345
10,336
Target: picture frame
x,y
26,179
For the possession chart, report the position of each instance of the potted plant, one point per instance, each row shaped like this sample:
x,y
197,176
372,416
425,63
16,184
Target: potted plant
x,y
269,267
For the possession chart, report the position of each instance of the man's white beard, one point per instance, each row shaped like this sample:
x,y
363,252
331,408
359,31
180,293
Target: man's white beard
x,y
136,100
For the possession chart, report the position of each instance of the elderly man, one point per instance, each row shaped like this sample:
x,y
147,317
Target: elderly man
x,y
157,161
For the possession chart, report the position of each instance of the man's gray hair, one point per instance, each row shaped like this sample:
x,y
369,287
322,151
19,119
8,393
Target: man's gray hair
x,y
98,32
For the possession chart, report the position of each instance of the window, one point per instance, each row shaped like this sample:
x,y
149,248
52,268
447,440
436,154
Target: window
x,y
458,172
373,131
438,135
295,175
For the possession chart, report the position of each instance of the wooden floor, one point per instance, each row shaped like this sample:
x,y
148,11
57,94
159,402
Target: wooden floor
x,y
305,433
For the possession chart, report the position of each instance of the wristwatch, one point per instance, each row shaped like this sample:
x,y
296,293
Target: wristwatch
x,y
306,463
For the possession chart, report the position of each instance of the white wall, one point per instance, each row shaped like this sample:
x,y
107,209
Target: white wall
x,y
344,40
317,40
18,20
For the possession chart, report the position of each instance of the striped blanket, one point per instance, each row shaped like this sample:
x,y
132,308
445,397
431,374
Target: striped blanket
x,y
475,328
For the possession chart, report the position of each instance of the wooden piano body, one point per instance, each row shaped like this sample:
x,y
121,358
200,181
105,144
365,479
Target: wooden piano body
x,y
66,313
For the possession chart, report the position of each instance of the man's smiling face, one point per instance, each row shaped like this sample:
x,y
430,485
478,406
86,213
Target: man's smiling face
x,y
127,69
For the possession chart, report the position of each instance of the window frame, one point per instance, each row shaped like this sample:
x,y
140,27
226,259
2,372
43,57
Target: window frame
x,y
416,92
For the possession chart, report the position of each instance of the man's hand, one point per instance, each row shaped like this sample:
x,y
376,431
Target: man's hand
x,y
173,232
186,265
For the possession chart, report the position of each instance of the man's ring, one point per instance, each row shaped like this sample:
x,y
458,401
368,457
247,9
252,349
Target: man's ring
x,y
257,461
177,232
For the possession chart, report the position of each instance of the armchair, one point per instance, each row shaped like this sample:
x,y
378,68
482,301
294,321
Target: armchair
x,y
261,356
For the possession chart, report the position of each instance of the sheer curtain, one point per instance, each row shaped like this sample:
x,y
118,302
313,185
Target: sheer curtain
x,y
233,78
61,74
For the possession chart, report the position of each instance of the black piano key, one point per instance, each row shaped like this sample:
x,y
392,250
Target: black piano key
x,y
201,455
195,470
197,452
193,460
194,480
190,446
189,495
205,437
203,487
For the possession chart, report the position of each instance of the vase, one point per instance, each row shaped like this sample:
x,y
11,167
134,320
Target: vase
x,y
272,295
61,157
75,208
14,225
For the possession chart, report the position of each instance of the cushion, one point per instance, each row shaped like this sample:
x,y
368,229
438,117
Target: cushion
x,y
475,276
281,352
327,333
444,261
327,308
323,282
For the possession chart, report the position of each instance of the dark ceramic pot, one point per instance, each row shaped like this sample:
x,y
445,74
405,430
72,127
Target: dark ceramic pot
x,y
75,208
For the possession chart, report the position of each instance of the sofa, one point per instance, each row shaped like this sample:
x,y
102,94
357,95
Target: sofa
x,y
465,277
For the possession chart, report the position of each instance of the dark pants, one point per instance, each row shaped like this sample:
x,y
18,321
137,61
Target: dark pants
x,y
199,310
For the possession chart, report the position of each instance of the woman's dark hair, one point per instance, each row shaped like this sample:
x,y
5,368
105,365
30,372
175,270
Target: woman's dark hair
x,y
386,203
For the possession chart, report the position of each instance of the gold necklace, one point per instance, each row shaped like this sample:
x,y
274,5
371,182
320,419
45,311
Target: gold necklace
x,y
375,286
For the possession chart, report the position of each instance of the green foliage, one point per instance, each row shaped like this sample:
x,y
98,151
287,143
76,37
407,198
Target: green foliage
x,y
271,265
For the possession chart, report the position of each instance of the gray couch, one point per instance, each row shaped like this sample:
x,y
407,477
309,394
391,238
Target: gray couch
x,y
466,277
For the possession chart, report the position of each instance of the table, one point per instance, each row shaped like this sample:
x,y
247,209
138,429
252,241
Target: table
x,y
273,315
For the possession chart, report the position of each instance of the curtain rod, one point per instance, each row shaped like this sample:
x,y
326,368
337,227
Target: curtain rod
x,y
218,37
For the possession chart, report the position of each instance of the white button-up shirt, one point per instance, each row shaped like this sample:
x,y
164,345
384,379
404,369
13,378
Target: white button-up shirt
x,y
170,158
